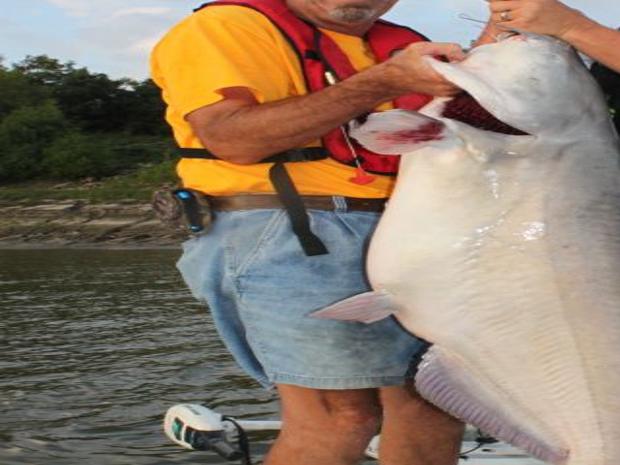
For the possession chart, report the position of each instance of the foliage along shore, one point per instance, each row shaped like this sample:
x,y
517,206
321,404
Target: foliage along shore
x,y
80,155
62,122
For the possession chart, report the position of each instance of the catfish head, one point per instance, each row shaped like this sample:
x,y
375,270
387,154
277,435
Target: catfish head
x,y
525,90
534,83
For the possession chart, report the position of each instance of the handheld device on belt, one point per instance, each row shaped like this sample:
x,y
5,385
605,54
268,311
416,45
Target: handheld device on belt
x,y
183,209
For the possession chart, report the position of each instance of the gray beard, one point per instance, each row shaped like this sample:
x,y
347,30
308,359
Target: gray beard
x,y
352,14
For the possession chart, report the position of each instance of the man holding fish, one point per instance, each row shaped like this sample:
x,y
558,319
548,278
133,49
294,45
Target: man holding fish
x,y
290,233
235,76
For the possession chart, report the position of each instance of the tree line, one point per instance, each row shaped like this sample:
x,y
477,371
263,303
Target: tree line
x,y
60,121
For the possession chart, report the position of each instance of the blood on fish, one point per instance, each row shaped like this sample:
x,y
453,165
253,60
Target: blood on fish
x,y
427,132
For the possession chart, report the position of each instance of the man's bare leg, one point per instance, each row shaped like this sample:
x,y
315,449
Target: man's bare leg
x,y
324,427
415,432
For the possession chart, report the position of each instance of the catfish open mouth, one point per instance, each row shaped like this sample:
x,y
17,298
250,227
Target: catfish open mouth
x,y
396,132
466,109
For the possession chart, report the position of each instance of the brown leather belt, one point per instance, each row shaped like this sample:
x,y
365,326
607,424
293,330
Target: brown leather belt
x,y
312,202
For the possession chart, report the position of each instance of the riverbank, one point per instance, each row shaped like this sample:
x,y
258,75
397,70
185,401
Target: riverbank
x,y
83,223
113,212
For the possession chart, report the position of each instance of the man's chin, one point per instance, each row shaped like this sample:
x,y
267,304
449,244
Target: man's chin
x,y
352,15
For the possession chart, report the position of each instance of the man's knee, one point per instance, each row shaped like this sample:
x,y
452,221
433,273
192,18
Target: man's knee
x,y
357,411
397,398
403,404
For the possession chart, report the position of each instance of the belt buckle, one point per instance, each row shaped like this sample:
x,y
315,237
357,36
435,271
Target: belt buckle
x,y
340,203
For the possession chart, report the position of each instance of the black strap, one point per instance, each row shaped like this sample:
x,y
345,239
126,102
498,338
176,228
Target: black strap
x,y
293,155
296,210
244,442
288,195
316,38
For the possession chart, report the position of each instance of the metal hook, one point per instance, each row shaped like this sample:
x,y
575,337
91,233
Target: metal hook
x,y
496,38
466,17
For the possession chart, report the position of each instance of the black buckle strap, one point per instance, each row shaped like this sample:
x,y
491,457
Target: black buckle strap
x,y
288,195
296,211
293,155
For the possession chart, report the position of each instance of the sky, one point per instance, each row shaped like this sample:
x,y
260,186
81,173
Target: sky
x,y
115,36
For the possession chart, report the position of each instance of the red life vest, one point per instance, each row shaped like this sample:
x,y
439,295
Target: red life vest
x,y
318,53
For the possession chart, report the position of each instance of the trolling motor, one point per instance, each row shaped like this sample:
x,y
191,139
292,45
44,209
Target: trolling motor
x,y
199,428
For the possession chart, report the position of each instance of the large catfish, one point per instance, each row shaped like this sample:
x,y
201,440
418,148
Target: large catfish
x,y
503,251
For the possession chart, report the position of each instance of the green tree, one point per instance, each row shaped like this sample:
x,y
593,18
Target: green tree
x,y
76,155
61,121
144,109
17,91
93,101
24,135
44,70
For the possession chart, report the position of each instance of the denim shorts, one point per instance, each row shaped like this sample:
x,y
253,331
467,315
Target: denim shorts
x,y
260,288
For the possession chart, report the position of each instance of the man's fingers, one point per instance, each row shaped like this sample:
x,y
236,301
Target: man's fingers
x,y
419,75
453,52
505,21
504,12
504,5
443,87
447,91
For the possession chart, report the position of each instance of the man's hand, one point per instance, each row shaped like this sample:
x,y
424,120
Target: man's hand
x,y
409,71
549,17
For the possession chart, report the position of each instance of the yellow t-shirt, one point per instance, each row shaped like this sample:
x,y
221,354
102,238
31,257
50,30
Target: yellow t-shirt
x,y
233,46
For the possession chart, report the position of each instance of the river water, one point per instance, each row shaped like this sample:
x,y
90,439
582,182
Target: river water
x,y
95,346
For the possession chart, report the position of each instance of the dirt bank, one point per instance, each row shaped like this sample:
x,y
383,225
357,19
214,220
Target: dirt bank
x,y
76,223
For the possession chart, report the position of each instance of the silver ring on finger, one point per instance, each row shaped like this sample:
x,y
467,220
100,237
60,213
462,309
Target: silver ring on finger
x,y
505,15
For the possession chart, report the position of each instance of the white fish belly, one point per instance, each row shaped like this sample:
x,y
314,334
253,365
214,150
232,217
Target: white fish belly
x,y
523,283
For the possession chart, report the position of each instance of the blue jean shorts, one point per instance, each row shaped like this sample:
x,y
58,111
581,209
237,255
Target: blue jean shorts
x,y
261,288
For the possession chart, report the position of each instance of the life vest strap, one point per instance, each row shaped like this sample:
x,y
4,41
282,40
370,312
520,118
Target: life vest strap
x,y
293,155
296,211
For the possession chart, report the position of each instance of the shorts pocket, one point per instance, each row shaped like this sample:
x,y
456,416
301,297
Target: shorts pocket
x,y
248,235
360,225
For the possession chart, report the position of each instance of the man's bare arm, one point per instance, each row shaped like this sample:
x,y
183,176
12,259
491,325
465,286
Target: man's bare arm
x,y
240,130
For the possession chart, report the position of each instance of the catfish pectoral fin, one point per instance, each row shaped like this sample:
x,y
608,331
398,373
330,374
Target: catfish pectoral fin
x,y
366,308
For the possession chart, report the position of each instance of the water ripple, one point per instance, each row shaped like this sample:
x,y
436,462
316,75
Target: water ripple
x,y
96,346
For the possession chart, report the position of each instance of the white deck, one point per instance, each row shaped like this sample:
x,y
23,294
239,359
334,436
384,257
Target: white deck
x,y
489,454
497,454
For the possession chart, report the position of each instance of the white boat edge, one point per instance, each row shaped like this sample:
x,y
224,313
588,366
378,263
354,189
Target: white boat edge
x,y
202,418
498,453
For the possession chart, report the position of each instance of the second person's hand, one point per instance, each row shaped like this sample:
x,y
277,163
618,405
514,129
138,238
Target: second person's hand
x,y
550,17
